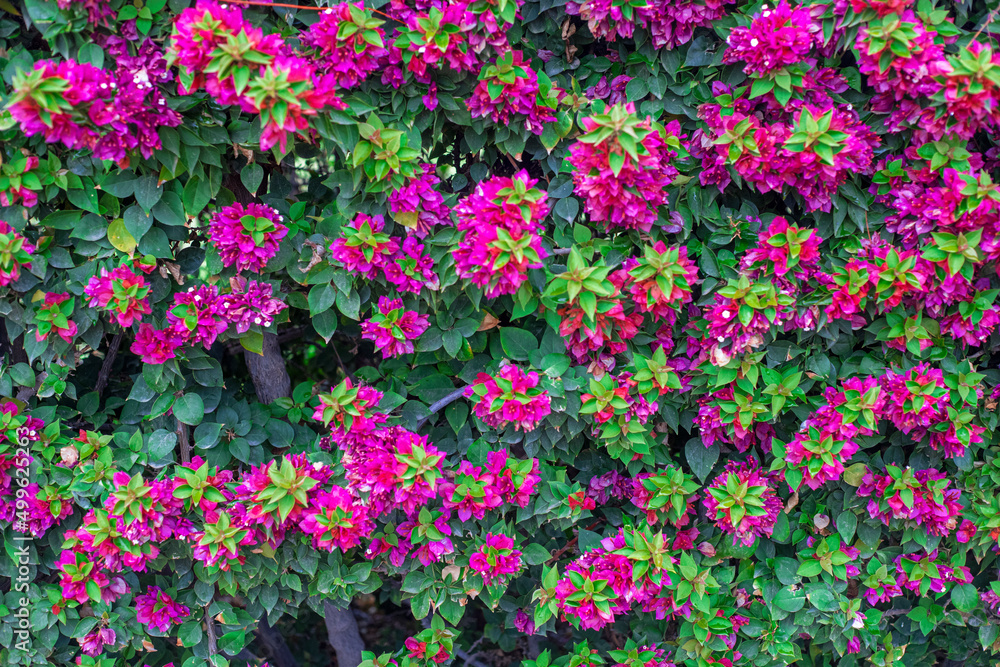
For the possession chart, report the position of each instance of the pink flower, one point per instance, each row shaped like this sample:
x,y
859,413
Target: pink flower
x,y
496,559
336,520
364,248
349,42
826,440
662,280
741,501
156,346
417,205
782,248
196,315
471,491
409,269
53,317
247,237
93,642
775,39
393,329
511,397
15,253
622,166
250,303
918,496
158,610
513,479
46,508
500,225
121,292
510,87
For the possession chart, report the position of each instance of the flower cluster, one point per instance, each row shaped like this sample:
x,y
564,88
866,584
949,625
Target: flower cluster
x,y
393,328
247,237
775,39
417,205
827,439
812,150
622,166
473,490
921,406
19,181
918,496
15,254
53,316
199,315
365,248
510,397
158,610
121,292
496,559
784,248
500,225
925,573
84,107
741,502
509,87
665,496
606,581
349,42
237,64
669,24
662,280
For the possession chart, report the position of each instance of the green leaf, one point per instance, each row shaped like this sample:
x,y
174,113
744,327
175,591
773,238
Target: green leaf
x,y
321,298
847,523
789,600
190,634
810,568
252,175
517,343
636,89
147,192
253,341
22,375
161,444
700,458
535,554
965,597
189,409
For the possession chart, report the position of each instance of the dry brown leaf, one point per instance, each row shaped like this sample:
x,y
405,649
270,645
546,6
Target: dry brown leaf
x,y
792,502
488,323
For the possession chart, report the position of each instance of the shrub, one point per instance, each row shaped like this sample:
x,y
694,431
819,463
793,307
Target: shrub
x,y
629,333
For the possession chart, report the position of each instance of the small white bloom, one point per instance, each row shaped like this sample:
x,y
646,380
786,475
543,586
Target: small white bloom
x,y
726,314
754,42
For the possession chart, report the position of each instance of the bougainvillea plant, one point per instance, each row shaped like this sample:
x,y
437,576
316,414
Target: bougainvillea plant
x,y
499,332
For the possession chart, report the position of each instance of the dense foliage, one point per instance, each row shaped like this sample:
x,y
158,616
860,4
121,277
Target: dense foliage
x,y
627,332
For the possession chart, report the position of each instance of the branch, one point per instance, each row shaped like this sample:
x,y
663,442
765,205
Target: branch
x,y
213,644
109,360
278,652
342,631
447,400
268,372
184,440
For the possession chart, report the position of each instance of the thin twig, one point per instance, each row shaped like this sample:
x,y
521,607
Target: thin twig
x,y
109,360
569,545
447,400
